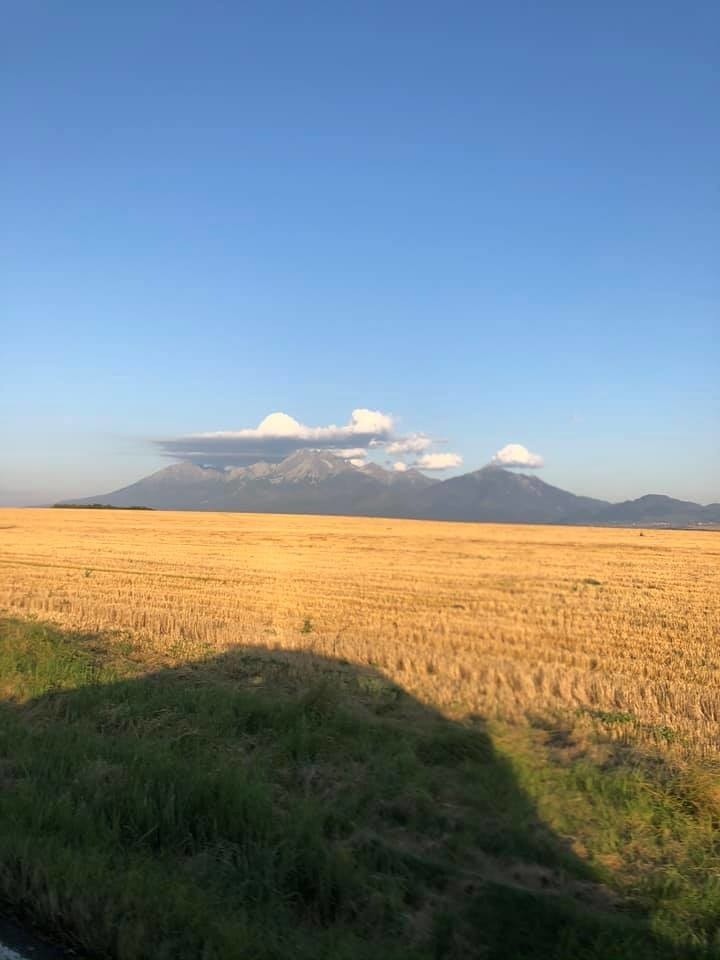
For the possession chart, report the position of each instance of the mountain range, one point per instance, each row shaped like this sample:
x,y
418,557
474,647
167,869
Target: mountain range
x,y
322,483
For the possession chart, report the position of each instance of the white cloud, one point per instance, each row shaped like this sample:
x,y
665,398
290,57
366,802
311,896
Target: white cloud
x,y
415,443
363,422
400,467
279,435
358,461
371,421
516,455
274,425
349,453
439,461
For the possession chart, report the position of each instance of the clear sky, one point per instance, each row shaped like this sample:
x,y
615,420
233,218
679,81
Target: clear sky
x,y
497,223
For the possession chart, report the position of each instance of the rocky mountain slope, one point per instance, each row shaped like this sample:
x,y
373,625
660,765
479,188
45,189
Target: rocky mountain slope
x,y
322,483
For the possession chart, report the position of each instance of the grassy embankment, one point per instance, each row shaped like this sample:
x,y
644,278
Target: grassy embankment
x,y
270,804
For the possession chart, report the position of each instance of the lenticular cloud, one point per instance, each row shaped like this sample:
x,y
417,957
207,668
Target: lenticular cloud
x,y
277,436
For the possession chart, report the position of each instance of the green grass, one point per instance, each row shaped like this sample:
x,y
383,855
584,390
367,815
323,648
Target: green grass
x,y
266,805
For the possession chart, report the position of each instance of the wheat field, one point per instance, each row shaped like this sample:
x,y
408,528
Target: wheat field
x,y
503,621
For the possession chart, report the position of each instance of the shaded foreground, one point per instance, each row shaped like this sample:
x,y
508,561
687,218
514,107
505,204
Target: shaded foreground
x,y
268,804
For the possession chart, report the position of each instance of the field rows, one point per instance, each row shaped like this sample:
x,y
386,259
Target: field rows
x,y
503,621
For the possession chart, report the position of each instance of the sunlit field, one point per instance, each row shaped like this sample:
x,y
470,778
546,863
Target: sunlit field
x,y
617,628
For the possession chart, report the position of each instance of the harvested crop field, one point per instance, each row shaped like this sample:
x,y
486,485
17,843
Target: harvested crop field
x,y
502,621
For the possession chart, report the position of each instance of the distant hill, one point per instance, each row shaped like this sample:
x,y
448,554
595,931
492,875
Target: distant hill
x,y
497,495
93,506
322,483
657,510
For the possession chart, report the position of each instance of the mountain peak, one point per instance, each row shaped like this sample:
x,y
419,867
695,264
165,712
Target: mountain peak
x,y
312,465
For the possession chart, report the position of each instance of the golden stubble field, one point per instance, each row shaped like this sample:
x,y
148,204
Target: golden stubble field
x,y
503,621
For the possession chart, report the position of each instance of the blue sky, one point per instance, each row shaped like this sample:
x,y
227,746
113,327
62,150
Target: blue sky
x,y
498,223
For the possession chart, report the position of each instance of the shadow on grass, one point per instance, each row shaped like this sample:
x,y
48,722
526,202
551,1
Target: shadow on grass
x,y
264,804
